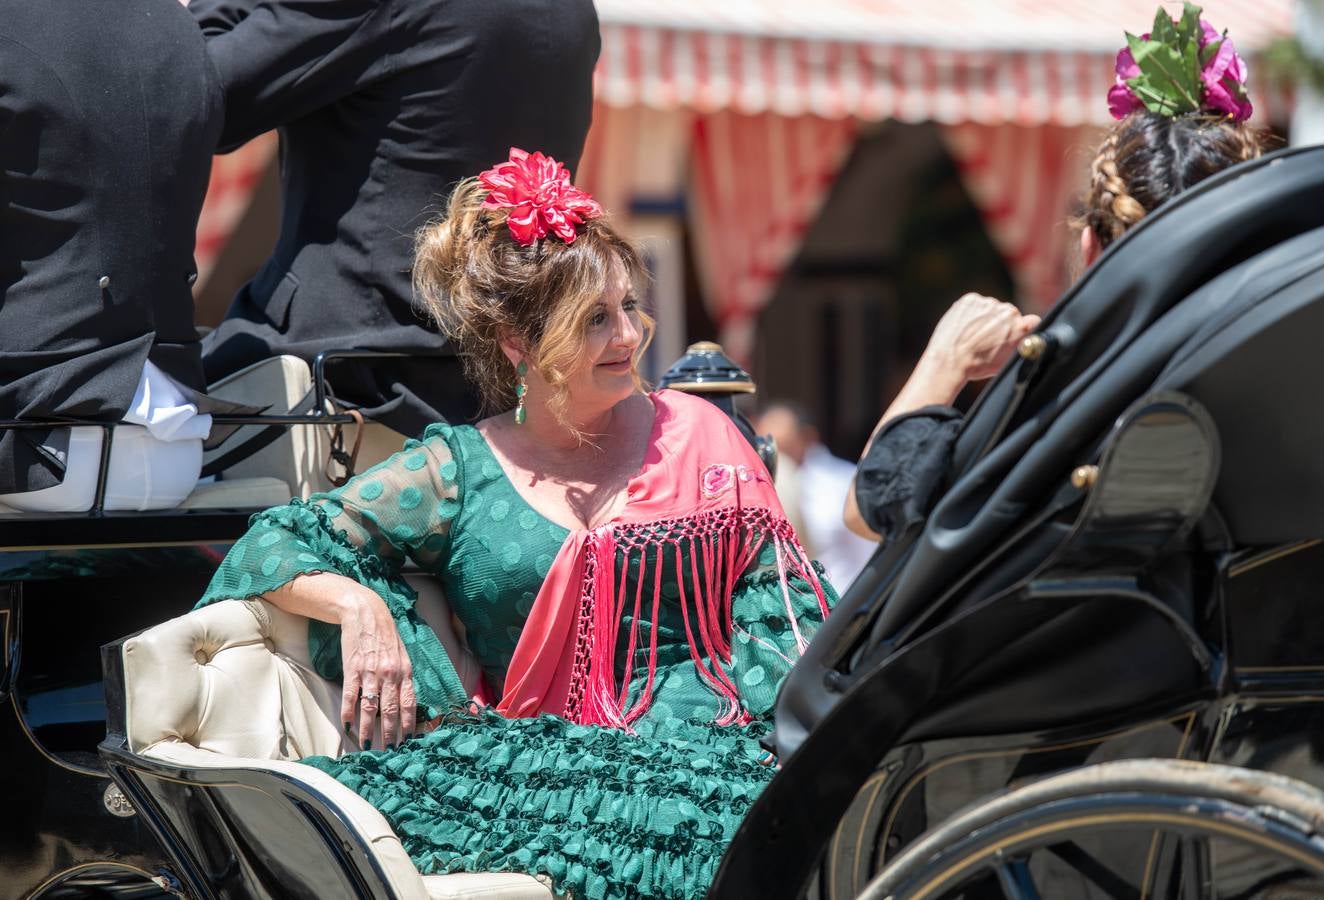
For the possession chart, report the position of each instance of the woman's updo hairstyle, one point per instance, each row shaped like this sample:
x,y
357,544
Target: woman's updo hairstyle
x,y
480,285
1147,159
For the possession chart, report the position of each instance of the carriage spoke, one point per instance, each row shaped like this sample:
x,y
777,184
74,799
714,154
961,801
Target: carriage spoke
x,y
1015,880
1194,866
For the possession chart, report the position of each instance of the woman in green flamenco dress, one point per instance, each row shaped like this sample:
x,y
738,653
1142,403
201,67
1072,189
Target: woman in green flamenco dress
x,y
618,560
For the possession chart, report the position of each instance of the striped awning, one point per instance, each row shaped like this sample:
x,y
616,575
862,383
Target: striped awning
x,y
1025,62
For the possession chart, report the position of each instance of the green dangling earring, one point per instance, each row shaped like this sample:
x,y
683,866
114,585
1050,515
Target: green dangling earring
x,y
521,388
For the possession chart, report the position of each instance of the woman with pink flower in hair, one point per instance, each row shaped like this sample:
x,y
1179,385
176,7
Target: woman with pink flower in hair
x,y
1180,98
1182,110
618,559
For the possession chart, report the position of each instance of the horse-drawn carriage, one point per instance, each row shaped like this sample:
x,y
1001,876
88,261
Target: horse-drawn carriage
x,y
1093,669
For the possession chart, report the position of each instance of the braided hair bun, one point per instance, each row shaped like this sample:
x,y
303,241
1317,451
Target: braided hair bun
x,y
1147,159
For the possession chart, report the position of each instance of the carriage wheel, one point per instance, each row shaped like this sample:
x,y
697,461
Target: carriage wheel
x,y
1211,831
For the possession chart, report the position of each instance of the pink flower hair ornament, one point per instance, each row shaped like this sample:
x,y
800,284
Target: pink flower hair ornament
x,y
1181,66
537,191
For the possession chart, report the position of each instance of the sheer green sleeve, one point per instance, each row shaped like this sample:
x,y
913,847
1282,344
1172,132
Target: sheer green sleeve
x,y
764,642
400,509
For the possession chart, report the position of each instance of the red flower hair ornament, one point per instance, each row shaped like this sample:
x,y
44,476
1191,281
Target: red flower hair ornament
x,y
537,191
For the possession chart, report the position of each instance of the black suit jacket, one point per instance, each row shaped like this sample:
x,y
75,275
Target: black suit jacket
x,y
109,116
382,106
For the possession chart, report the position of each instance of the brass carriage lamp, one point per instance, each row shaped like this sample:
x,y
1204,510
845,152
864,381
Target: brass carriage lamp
x,y
705,370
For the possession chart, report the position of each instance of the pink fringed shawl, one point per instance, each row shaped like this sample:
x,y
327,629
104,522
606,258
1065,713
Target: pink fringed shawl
x,y
701,490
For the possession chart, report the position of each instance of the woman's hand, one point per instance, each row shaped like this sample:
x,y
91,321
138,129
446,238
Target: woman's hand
x,y
972,341
378,676
977,335
379,679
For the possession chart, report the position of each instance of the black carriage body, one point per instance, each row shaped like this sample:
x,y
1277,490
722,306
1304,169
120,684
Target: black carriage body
x,y
1020,631
1259,706
67,586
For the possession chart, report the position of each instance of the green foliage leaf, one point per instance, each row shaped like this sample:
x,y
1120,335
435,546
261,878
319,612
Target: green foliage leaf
x,y
1163,30
1169,61
1189,29
1189,68
1168,83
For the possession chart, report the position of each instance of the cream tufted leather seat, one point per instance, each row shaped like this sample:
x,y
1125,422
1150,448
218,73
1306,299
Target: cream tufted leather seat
x,y
294,464
278,385
231,687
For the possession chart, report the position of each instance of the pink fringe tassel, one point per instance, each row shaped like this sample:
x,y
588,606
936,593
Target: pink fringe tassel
x,y
721,547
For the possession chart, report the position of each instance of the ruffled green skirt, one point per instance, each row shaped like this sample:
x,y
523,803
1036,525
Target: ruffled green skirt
x,y
602,812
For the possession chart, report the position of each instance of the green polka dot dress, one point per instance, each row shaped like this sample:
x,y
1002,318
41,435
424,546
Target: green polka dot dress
x,y
602,812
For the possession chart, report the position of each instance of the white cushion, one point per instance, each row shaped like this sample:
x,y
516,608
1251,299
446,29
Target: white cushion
x,y
298,457
232,678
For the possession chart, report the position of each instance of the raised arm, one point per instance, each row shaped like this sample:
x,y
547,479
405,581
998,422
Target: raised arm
x,y
971,342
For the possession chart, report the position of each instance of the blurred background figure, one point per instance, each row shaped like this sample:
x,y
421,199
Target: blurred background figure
x,y
813,485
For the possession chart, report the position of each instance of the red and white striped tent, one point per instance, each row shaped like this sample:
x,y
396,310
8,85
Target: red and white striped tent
x,y
750,106
772,91
1025,62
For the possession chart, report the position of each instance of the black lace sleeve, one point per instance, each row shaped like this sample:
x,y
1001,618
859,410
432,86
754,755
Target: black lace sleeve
x,y
906,466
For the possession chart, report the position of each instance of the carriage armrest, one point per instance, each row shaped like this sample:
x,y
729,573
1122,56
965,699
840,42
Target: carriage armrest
x,y
251,775
262,822
236,678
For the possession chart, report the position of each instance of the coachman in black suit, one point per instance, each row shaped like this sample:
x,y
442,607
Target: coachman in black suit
x,y
109,115
382,106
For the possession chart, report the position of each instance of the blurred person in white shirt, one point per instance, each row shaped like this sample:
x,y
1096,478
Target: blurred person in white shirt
x,y
813,485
